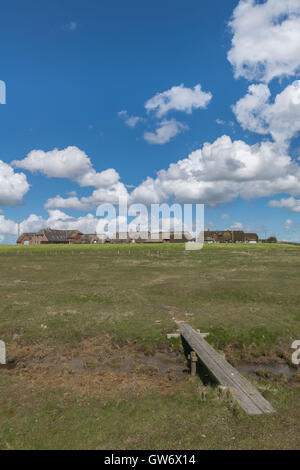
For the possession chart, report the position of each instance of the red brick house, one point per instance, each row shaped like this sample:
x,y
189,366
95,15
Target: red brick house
x,y
25,239
49,236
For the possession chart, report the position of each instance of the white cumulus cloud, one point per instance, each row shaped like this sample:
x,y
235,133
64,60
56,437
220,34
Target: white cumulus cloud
x,y
13,186
61,221
289,203
10,227
73,202
281,119
110,195
221,171
71,163
166,130
178,98
266,39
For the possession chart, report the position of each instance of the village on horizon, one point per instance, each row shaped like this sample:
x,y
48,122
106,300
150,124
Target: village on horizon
x,y
54,236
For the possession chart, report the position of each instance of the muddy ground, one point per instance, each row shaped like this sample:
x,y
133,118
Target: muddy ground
x,y
94,368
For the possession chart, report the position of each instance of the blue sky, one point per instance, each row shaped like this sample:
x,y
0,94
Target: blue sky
x,y
138,86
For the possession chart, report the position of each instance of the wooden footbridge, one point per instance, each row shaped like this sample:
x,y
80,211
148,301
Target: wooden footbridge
x,y
242,390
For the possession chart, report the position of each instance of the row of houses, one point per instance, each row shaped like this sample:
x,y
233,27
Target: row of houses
x,y
229,236
49,236
52,236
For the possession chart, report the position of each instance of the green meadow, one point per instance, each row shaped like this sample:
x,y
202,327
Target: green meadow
x,y
85,328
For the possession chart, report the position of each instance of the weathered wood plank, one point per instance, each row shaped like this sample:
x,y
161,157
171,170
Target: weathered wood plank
x,y
245,393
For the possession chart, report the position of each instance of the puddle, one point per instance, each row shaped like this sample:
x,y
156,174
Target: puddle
x,y
162,362
277,369
166,362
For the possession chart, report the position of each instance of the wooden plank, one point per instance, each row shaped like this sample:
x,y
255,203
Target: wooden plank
x,y
244,392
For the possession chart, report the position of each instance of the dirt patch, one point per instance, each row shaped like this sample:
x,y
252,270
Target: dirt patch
x,y
98,369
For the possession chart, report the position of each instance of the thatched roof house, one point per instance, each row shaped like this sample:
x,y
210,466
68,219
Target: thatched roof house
x,y
238,235
217,236
229,236
49,235
251,237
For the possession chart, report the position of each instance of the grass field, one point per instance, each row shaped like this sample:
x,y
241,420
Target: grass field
x,y
86,326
